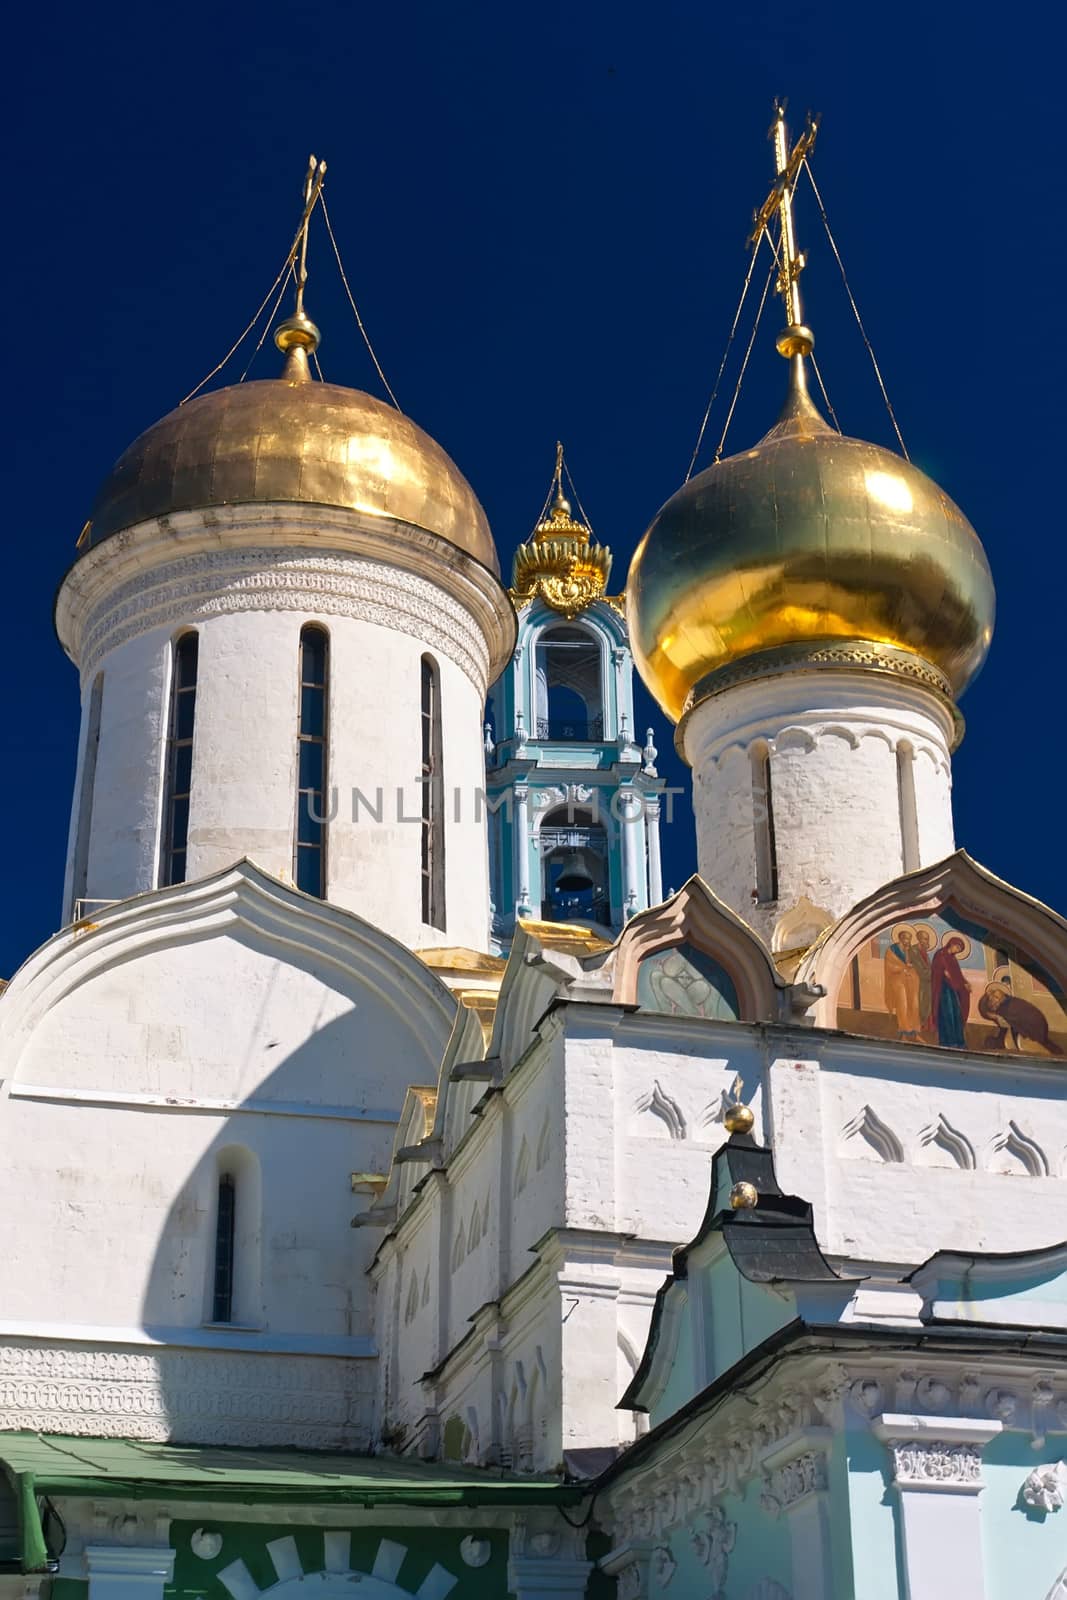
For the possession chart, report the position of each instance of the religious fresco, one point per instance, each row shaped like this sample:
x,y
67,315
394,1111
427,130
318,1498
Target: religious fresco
x,y
685,982
943,980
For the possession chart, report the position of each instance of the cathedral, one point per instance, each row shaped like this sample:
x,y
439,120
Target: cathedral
x,y
403,1196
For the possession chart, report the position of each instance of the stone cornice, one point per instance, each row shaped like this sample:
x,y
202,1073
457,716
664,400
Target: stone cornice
x,y
956,1395
321,560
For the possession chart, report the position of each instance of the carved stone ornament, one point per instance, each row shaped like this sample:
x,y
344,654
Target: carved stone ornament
x,y
787,1484
629,1585
205,1543
713,1543
207,1397
663,1565
1045,1489
288,579
475,1552
643,1507
924,1463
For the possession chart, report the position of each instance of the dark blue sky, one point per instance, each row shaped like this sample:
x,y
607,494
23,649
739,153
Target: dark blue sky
x,y
543,212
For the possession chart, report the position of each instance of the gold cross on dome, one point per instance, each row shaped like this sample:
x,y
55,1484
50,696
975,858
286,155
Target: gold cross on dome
x,y
316,172
796,338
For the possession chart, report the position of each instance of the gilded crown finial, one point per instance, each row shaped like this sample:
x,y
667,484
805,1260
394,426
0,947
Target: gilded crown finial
x,y
559,561
796,339
298,336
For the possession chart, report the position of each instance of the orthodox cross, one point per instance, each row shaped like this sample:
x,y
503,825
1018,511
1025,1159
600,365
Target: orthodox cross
x,y
796,339
316,172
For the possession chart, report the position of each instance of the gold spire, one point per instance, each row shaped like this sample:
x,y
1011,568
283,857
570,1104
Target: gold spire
x,y
298,336
559,561
796,340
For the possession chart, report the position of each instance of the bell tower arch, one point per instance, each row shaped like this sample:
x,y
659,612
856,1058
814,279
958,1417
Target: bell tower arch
x,y
573,793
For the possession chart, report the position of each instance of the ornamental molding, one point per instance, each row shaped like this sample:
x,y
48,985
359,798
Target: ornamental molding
x,y
198,1397
766,1433
1045,1489
942,1453
712,1544
545,1554
863,654
227,582
786,1485
936,1464
708,1462
165,550
662,1565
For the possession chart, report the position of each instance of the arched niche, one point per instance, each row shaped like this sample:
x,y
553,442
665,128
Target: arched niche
x,y
693,956
951,957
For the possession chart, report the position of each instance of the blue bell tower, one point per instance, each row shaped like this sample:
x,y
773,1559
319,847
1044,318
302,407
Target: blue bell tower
x,y
573,795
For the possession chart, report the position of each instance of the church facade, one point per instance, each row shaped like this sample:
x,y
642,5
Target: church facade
x,y
400,1189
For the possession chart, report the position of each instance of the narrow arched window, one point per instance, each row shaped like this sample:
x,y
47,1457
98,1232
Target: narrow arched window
x,y
309,864
763,822
80,865
225,1234
433,832
179,777
909,814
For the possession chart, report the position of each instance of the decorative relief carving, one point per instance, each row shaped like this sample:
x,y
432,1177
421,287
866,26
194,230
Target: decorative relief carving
x,y
704,1472
941,1135
1013,1150
629,1586
662,1565
868,1127
922,1463
785,1485
1045,1489
475,1552
713,1543
643,1510
205,1398
659,1104
288,579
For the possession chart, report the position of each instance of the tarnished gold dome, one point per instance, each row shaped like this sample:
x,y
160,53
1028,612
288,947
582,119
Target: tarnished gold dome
x,y
289,441
808,537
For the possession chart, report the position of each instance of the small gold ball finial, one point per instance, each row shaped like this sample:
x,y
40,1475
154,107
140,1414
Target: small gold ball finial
x,y
796,340
738,1119
744,1196
297,332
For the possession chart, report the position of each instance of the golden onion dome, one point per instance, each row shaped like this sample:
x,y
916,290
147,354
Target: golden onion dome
x,y
809,539
288,440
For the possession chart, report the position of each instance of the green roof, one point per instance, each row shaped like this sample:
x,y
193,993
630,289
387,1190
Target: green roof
x,y
56,1464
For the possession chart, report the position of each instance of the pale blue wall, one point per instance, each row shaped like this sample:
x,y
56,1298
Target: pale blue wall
x,y
1025,1552
867,1521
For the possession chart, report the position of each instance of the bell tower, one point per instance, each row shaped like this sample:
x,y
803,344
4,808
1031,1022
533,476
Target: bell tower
x,y
573,795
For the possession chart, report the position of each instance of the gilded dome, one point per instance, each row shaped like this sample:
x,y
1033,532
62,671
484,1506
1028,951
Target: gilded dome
x,y
280,440
809,537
